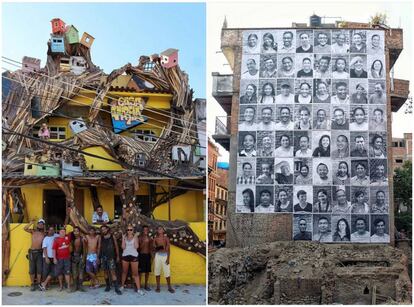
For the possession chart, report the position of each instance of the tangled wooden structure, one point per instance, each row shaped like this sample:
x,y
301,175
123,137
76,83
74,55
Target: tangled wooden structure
x,y
53,89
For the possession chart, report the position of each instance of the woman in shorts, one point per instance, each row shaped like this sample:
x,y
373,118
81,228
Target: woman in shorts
x,y
130,245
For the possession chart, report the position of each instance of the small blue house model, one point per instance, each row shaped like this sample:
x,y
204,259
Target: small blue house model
x,y
57,44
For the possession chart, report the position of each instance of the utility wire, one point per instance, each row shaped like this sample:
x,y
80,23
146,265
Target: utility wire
x,y
96,123
85,104
124,164
108,96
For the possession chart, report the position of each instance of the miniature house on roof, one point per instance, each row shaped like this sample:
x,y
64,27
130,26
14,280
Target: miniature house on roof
x,y
30,64
78,65
58,26
64,64
57,44
87,40
40,169
72,35
77,125
169,58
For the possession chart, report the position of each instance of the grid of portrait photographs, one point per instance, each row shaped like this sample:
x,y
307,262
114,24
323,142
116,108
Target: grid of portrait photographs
x,y
312,138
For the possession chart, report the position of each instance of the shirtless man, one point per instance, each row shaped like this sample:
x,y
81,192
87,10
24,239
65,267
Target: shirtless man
x,y
162,258
145,251
109,254
36,251
93,243
79,248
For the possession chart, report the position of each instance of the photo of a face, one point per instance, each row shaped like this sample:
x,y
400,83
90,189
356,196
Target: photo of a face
x,y
322,41
268,66
375,43
264,171
248,91
302,227
358,41
246,171
360,228
322,171
304,41
250,66
322,227
376,92
358,118
286,41
269,42
302,144
303,171
284,170
265,143
247,144
378,120
264,199
252,41
284,198
380,228
245,200
379,199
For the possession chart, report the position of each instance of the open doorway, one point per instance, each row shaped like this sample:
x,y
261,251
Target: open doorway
x,y
54,207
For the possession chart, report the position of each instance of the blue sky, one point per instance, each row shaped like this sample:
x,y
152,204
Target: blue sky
x,y
123,32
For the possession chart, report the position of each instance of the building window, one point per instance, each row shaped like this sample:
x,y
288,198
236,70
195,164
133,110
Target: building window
x,y
57,133
398,160
145,135
148,66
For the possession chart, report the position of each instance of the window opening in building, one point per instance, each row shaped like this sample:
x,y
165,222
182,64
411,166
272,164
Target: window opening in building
x,y
54,207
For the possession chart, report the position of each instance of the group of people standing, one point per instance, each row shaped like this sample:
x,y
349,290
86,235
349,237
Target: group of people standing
x,y
72,256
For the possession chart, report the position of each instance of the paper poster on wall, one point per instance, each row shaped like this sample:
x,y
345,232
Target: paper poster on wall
x,y
312,138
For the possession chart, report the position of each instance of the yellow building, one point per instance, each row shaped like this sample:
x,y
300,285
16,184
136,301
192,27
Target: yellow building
x,y
163,197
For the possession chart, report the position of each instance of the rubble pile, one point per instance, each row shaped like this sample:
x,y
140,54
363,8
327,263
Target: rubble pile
x,y
309,273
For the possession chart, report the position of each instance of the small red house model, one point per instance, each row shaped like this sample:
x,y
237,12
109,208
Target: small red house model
x,y
58,26
169,58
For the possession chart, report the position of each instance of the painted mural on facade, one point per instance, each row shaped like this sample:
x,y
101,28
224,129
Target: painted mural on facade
x,y
312,138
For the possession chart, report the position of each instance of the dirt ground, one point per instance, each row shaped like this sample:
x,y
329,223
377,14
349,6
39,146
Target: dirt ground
x,y
184,295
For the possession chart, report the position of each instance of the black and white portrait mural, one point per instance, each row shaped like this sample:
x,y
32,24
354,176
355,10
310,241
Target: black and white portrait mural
x,y
312,137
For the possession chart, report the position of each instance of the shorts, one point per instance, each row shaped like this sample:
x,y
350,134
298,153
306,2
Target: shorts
x,y
49,269
129,258
35,261
63,267
78,265
144,263
159,263
92,263
108,264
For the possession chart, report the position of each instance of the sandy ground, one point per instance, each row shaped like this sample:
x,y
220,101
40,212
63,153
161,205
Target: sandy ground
x,y
184,295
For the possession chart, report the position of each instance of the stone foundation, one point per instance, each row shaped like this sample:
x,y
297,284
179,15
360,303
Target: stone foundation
x,y
309,273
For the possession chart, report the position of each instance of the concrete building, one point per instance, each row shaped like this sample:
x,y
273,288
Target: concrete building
x,y
220,206
251,229
260,265
212,182
402,150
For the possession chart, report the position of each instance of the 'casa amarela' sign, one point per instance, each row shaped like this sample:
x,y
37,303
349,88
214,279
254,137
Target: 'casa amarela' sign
x,y
126,113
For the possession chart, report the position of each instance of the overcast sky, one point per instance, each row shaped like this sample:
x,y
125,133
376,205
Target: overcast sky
x,y
281,14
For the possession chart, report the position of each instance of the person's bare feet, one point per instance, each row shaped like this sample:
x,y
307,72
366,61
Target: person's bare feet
x,y
171,290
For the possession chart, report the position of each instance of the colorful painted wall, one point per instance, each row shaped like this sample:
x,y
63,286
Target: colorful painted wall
x,y
188,207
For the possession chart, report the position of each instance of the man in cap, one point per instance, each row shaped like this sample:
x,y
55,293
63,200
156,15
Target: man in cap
x,y
36,251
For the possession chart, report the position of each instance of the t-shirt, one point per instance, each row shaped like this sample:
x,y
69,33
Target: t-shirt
x,y
97,218
61,246
48,243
